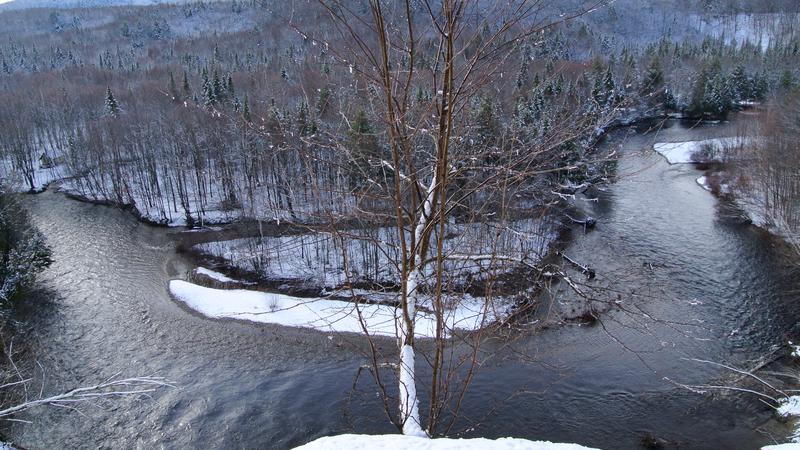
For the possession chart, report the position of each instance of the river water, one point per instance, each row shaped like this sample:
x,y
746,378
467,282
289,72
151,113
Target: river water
x,y
663,247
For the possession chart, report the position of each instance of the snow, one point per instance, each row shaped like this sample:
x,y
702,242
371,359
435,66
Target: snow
x,y
317,258
324,314
397,441
681,152
703,182
409,405
789,446
214,275
790,406
42,176
795,349
763,30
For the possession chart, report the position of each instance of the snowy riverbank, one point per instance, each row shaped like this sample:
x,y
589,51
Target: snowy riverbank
x,y
398,441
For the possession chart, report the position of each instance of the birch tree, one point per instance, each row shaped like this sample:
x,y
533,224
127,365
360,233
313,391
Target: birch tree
x,y
455,51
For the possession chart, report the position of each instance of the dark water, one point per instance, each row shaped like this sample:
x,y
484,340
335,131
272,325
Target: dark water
x,y
662,242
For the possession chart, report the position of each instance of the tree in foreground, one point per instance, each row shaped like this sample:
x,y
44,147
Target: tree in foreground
x,y
451,195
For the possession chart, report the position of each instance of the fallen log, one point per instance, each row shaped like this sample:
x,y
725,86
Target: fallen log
x,y
586,270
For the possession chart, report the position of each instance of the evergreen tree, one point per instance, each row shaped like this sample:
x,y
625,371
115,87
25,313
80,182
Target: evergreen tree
x,y
172,89
363,145
487,127
322,101
112,107
229,86
653,79
609,87
206,84
187,88
741,84
786,80
217,87
246,111
209,98
304,125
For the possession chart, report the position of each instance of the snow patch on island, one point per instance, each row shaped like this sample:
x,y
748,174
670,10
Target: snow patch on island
x,y
790,407
214,275
322,314
682,152
398,441
703,182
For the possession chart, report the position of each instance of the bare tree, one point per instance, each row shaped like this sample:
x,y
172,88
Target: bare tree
x,y
422,66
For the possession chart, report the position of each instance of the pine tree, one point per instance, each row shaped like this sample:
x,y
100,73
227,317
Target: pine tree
x,y
209,98
172,89
486,124
229,86
187,88
322,101
653,79
786,81
609,87
246,111
112,107
218,87
363,146
305,124
205,82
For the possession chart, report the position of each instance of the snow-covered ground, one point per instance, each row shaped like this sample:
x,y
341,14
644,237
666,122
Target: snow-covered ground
x,y
468,313
165,209
761,30
681,152
400,442
222,278
41,176
790,408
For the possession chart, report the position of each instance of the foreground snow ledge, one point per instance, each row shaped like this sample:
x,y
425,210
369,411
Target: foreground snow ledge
x,y
400,442
317,313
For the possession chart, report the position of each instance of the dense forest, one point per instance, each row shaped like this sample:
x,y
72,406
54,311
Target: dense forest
x,y
204,112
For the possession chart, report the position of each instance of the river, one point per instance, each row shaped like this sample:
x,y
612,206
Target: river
x,y
663,245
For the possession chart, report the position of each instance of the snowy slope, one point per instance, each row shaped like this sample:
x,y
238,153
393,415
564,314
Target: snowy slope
x,y
400,442
27,4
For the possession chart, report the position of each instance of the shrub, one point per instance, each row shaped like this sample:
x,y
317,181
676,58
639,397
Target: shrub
x,y
23,251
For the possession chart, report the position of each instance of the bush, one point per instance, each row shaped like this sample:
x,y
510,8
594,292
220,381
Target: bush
x,y
23,251
706,154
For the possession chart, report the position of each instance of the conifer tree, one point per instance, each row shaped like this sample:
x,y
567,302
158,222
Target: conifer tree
x,y
363,146
246,110
229,86
112,107
172,89
218,87
187,88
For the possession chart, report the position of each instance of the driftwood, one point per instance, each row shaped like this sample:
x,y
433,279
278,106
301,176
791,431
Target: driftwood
x,y
588,222
586,270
